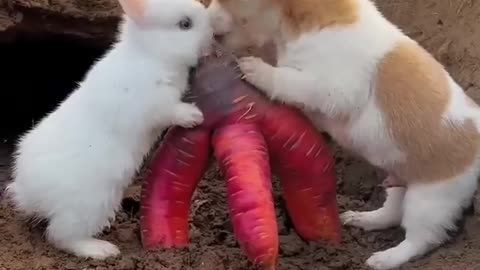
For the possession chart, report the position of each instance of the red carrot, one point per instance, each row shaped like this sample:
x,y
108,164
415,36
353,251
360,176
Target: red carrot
x,y
306,169
175,171
243,157
248,130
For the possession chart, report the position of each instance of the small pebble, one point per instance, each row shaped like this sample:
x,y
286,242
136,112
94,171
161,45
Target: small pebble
x,y
127,264
126,235
291,244
71,266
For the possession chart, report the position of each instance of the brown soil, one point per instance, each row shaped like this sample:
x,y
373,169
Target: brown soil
x,y
449,29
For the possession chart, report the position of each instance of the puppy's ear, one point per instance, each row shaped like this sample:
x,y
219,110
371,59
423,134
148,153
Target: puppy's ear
x,y
135,9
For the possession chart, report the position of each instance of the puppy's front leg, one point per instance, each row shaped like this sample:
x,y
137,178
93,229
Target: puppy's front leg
x,y
284,84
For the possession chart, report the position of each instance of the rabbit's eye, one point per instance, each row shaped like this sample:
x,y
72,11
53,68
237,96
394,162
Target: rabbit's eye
x,y
185,24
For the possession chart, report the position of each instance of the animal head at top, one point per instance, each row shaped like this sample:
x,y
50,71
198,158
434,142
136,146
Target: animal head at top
x,y
243,23
178,29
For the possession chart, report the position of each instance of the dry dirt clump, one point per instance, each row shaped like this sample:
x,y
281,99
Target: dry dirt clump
x,y
93,20
447,28
97,9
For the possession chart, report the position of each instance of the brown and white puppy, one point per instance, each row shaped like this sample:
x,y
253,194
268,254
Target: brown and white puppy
x,y
376,92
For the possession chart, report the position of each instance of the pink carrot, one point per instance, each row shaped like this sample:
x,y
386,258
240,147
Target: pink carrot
x,y
306,169
242,154
175,171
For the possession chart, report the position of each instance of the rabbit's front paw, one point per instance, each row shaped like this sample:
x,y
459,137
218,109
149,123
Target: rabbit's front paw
x,y
188,115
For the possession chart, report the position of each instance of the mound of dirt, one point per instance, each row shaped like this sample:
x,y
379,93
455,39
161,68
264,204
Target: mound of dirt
x,y
94,21
449,29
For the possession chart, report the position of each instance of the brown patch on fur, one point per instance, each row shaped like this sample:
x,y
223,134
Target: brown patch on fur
x,y
413,92
311,15
301,16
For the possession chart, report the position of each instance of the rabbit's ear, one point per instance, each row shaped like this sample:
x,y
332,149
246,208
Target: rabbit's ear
x,y
135,9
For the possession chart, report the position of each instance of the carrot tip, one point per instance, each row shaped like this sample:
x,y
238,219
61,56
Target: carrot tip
x,y
270,266
242,154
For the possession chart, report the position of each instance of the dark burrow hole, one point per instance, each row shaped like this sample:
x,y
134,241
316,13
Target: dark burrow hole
x,y
37,74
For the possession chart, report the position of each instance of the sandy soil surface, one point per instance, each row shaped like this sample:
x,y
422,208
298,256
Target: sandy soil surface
x,y
449,29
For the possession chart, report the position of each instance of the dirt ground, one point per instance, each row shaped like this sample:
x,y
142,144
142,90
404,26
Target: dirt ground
x,y
449,29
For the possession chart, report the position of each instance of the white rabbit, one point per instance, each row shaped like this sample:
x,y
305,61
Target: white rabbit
x,y
378,93
73,166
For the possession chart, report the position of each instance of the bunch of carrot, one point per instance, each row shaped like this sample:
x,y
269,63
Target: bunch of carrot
x,y
248,134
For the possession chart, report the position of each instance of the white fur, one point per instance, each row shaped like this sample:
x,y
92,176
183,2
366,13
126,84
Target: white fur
x,y
426,211
220,20
388,216
73,166
330,74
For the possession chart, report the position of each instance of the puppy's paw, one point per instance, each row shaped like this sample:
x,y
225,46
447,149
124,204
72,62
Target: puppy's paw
x,y
367,221
255,70
351,218
388,259
188,115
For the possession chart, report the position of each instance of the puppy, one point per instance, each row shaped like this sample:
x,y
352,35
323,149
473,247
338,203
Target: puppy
x,y
379,94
